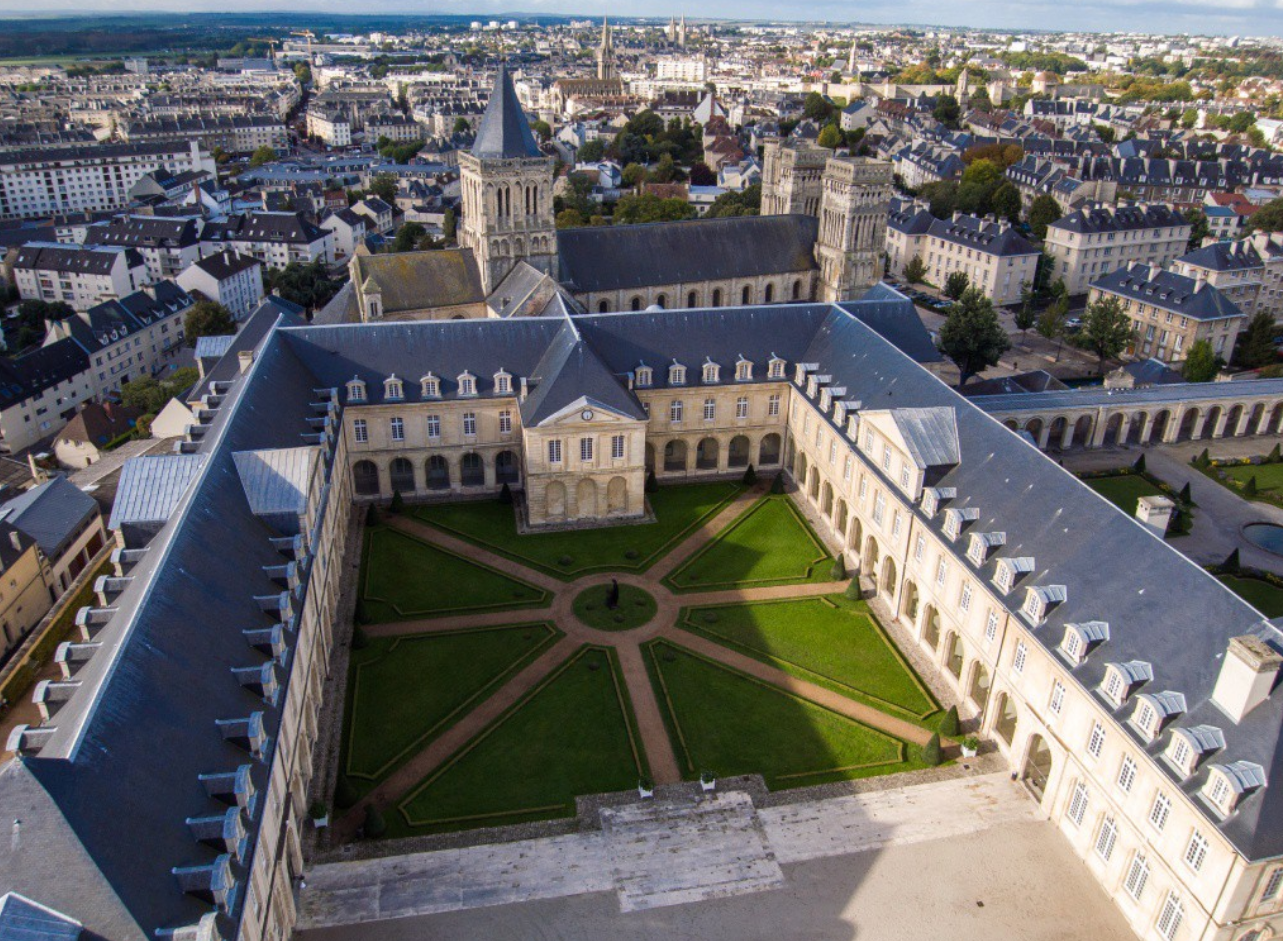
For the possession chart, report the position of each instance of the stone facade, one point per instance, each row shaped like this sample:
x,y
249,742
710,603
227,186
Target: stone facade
x,y
853,221
507,215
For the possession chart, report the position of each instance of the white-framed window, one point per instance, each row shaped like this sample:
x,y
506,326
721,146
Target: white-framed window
x,y
1106,838
773,406
676,375
1078,804
356,391
502,383
904,477
864,486
1169,919
897,524
505,422
1144,718
1127,774
1196,851
360,431
846,468
942,571
806,423
886,457
469,424
879,507
617,444
776,369
434,427
868,441
554,452
430,386
398,429
467,384
1114,686
675,411
964,600
393,389
819,435
741,407
1096,740
833,453
1002,578
991,626
710,409
644,376
1072,644
1057,701
1272,885
1218,790
919,547
585,449
1021,655
1137,876
1181,751
743,370
711,372
1034,606
1159,813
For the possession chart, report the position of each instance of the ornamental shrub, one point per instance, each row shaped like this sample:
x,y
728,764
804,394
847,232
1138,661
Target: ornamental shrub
x,y
931,751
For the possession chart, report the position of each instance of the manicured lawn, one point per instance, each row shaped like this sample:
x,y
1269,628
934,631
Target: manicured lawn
x,y
771,544
635,608
728,723
1257,592
574,734
1269,480
407,578
832,641
404,691
1124,490
633,548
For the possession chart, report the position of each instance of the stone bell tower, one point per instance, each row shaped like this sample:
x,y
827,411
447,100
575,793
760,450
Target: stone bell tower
x,y
855,197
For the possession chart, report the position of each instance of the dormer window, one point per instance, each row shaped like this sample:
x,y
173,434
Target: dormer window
x,y
1121,679
932,497
743,370
467,384
1155,710
1040,600
677,374
1190,746
1009,570
711,371
1082,639
826,399
430,386
356,390
1229,784
776,368
503,383
955,519
983,544
643,376
393,389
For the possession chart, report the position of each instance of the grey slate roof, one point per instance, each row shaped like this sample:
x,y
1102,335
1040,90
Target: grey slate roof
x,y
52,514
90,259
930,434
24,920
1123,399
569,371
1169,291
639,256
504,131
1224,256
151,486
896,320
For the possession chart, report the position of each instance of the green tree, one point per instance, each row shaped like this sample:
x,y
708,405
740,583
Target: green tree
x,y
915,270
592,151
1201,363
818,108
1269,218
262,155
307,285
408,237
931,751
1106,330
1025,315
947,111
634,174
151,394
972,336
461,125
1005,202
207,319
648,207
831,137
542,129
303,73
1051,322
449,225
1200,227
956,284
384,186
1043,211
569,219
665,171
1255,347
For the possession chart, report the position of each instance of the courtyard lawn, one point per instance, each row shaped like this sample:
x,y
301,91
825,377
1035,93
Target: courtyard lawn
x,y
636,607
679,510
1123,490
404,691
406,578
1269,480
574,734
1266,598
833,641
728,723
770,544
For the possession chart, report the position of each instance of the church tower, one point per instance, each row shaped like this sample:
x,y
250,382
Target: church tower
x,y
606,68
854,201
681,33
506,188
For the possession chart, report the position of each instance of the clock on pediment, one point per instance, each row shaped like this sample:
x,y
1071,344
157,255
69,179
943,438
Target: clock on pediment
x,y
586,414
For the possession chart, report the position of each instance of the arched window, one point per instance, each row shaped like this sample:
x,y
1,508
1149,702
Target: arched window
x,y
746,295
797,289
769,296
636,303
356,390
717,297
603,307
467,384
430,386
393,389
692,299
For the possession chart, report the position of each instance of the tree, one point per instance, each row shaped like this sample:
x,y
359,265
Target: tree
x,y
831,137
838,571
542,129
1106,330
956,284
207,319
308,285
931,751
1051,322
665,171
648,207
750,477
818,108
1043,211
408,237
949,722
569,219
1201,362
633,174
701,174
384,186
449,225
1025,316
915,270
150,394
947,111
1200,227
1005,202
592,151
303,73
972,336
461,125
262,155
1255,347
1269,218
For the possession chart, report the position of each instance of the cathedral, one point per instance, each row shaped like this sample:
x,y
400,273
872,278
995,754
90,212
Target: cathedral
x,y
819,238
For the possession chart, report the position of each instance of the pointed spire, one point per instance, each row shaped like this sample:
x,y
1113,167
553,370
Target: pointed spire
x,y
504,130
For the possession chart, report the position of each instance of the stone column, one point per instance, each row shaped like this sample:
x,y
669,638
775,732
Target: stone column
x,y
1196,432
1044,434
1067,439
1146,428
488,469
1240,426
1174,422
1099,430
1218,430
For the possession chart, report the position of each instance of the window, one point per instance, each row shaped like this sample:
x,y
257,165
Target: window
x,y
1096,740
1057,701
1181,752
886,457
710,409
1137,876
1169,919
617,447
1105,838
868,441
1272,885
554,452
467,385
1114,686
505,422
942,572
393,389
904,477
741,407
991,627
1078,804
1196,851
1003,578
434,426
1018,661
1072,644
356,391
360,431
846,468
773,406
469,423
864,486
676,375
398,429
833,453
675,411
1144,718
585,449
919,548
502,383
1219,790
964,601
1127,774
743,370
1159,812
644,377
897,524
777,369
879,507
711,372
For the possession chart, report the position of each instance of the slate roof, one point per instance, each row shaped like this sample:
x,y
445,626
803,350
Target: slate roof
x,y
570,370
145,232
410,281
909,217
992,238
41,256
657,253
1169,291
52,513
1122,218
1224,256
504,131
222,265
151,486
894,317
24,920
32,373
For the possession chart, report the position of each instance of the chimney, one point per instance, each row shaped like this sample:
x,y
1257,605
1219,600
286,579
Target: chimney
x,y
15,540
246,359
1247,676
523,389
1199,280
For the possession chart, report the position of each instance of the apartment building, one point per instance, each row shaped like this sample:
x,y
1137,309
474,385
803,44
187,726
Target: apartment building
x,y
1236,269
393,126
331,128
1171,311
168,245
274,238
233,133
348,229
80,276
1100,238
25,590
41,391
228,278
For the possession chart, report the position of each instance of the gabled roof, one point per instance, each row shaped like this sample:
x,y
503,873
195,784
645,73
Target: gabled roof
x,y
569,371
51,513
504,131
150,488
1167,290
409,281
24,920
929,434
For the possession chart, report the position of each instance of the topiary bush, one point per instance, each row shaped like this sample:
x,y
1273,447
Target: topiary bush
x,y
398,502
651,483
1275,456
949,724
1139,466
853,590
505,495
1231,563
777,485
344,793
931,751
838,572
1249,488
566,561
750,476
375,825
1186,495
372,515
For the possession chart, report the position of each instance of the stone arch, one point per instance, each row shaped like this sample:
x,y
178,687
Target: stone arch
x,y
1232,420
1114,429
706,454
1007,716
650,457
675,455
954,655
746,295
365,479
769,295
692,299
1012,424
802,465
1213,416
887,580
472,470
1254,419
839,517
1036,769
1189,421
931,627
1034,427
603,307
438,473
1159,426
826,498
909,603
1276,420
870,558
505,468
635,303
616,496
519,246
737,452
853,536
813,485
1136,428
979,684
661,300
1083,430
586,499
768,451
1056,431
555,500
401,471
797,289
717,297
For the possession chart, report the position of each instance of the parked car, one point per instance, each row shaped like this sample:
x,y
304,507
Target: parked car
x,y
1074,323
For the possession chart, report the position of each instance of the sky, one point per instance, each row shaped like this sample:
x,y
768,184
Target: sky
x,y
1226,17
